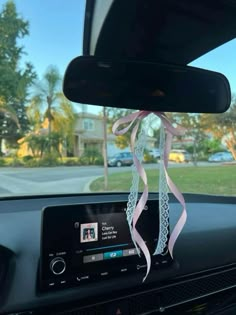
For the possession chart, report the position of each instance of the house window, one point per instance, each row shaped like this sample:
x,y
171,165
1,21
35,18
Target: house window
x,y
88,124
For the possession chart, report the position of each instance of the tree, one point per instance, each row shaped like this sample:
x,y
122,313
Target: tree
x,y
105,149
47,94
212,145
14,80
113,114
37,144
194,129
156,133
223,126
64,120
50,108
9,111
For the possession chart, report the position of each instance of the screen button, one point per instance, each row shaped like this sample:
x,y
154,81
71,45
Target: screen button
x,y
157,264
92,258
51,284
114,254
139,267
83,278
130,252
123,270
63,282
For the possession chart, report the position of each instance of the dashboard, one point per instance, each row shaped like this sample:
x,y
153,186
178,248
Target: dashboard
x,y
74,255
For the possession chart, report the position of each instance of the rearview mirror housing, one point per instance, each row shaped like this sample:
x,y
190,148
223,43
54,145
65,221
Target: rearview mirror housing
x,y
146,85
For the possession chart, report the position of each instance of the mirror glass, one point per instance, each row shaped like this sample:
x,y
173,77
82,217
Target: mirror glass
x,y
145,85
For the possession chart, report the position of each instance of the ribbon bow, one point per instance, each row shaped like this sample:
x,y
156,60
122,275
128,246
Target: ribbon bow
x,y
170,131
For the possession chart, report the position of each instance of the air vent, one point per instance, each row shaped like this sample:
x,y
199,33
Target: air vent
x,y
168,296
193,289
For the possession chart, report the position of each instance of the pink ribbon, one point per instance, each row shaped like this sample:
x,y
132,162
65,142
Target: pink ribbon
x,y
170,132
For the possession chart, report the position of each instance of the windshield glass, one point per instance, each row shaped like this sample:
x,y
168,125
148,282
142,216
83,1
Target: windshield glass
x,y
49,145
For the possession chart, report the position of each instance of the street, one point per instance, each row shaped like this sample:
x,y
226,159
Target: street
x,y
56,180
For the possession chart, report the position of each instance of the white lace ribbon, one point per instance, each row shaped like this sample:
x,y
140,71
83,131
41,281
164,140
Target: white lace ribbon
x,y
135,206
133,195
163,200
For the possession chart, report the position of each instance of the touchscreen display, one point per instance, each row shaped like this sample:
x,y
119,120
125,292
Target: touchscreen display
x,y
94,240
103,240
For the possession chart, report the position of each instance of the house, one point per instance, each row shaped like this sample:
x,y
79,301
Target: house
x,y
89,134
182,142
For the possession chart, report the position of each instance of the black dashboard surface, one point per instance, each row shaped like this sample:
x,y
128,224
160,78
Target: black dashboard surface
x,y
206,242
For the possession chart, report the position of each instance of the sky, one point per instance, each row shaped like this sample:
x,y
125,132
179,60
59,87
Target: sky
x,y
56,34
56,30
222,59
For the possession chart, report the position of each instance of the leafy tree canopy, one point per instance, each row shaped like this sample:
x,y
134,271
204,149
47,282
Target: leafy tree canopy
x,y
15,78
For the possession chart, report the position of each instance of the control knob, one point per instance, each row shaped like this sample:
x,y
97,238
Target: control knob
x,y
58,266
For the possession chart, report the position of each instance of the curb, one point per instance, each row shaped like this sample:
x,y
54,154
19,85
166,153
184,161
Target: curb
x,y
86,188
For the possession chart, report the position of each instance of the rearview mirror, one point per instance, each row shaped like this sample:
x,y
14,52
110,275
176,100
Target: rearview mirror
x,y
146,85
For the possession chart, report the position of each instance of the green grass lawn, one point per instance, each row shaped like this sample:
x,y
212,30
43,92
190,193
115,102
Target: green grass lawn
x,y
217,180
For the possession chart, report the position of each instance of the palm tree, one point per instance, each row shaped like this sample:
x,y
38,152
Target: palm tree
x,y
47,94
64,120
35,113
49,103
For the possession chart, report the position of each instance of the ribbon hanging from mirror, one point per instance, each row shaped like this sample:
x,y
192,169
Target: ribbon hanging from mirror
x,y
135,206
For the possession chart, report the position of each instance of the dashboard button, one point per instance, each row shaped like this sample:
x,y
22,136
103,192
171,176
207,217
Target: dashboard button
x,y
157,264
130,252
92,258
63,282
164,262
58,266
51,284
114,254
83,278
140,267
104,274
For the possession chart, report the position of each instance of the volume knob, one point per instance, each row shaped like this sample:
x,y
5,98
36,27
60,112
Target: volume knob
x,y
58,266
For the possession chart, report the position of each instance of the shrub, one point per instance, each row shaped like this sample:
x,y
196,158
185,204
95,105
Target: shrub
x,y
27,158
202,156
71,161
147,158
48,160
32,163
91,157
99,160
16,162
2,162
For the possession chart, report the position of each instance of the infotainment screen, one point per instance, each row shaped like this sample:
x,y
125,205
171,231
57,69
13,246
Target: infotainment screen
x,y
88,242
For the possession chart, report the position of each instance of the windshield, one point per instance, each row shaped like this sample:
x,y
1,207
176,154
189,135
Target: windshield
x,y
49,145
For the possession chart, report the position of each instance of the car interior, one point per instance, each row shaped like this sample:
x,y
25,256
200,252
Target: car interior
x,y
73,253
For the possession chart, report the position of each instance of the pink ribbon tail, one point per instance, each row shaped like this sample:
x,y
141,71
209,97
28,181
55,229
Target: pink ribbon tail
x,y
170,130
